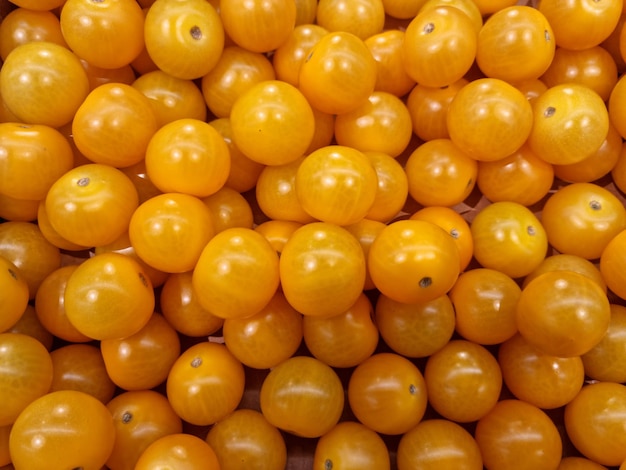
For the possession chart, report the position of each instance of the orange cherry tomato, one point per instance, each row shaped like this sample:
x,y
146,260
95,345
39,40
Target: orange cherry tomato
x,y
322,269
414,250
616,105
366,231
184,38
140,418
387,49
463,381
363,18
302,396
415,329
353,445
13,294
387,393
524,367
81,367
109,296
338,74
612,264
437,443
291,54
593,424
26,374
106,34
517,435
91,204
237,273
43,83
267,338
604,361
205,384
229,208
29,325
563,313
246,437
179,450
74,421
565,262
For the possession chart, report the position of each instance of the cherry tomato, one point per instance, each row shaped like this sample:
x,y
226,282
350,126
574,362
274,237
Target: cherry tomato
x,y
612,264
387,49
13,294
604,361
392,190
291,54
179,450
363,18
302,396
565,262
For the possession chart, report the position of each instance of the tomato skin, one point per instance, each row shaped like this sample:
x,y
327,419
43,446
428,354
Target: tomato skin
x,y
386,48
184,38
387,393
182,451
24,25
612,264
302,396
596,361
322,269
414,250
67,419
205,384
362,18
13,294
593,422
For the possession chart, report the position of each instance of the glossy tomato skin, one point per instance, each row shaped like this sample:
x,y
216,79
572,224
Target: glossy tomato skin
x,y
24,25
413,250
517,435
604,361
563,313
67,419
14,294
205,384
322,269
179,450
362,18
302,396
594,425
387,393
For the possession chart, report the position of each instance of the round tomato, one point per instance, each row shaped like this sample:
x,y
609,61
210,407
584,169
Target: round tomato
x,y
363,18
179,450
604,361
23,25
13,294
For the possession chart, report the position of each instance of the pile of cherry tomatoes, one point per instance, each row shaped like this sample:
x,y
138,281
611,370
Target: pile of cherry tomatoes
x,y
328,234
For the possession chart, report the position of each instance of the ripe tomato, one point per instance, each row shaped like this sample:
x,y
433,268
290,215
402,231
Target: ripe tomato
x,y
99,76
277,232
23,25
233,259
352,445
563,313
579,463
81,367
463,381
180,307
188,156
169,231
440,174
612,264
143,360
91,205
366,231
205,384
272,123
582,218
387,393
114,125
570,123
439,46
593,67
67,419
512,36
184,38
484,301
489,119
50,306
509,238
23,244
387,49
564,262
13,294
26,374
258,26
289,56
616,105
229,209
604,361
581,24
338,74
538,378
171,98
302,396
140,418
29,325
22,210
517,435
245,438
336,184
438,443
593,422
107,34
267,338
343,340
416,329
235,72
363,18
322,269
109,296
180,451
43,83
413,250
